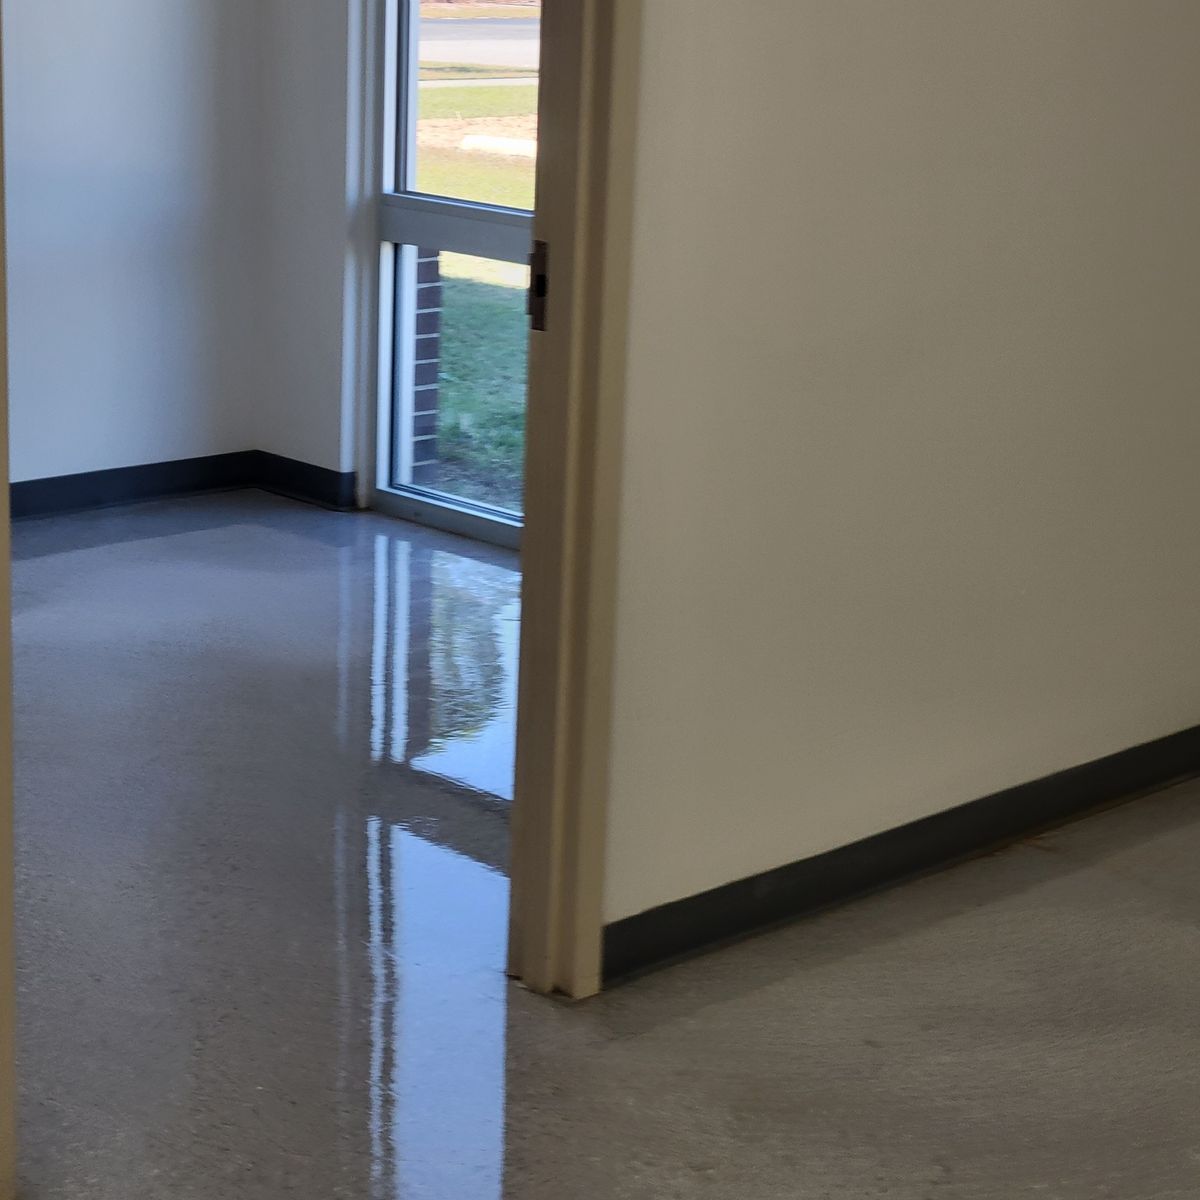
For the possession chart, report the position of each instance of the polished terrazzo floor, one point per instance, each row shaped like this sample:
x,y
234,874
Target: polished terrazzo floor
x,y
264,759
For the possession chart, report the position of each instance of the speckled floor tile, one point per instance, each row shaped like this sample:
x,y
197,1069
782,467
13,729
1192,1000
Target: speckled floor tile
x,y
264,762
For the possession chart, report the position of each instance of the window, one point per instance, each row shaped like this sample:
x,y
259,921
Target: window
x,y
458,226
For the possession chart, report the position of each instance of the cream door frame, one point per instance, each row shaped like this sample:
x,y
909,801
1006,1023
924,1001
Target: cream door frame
x,y
568,542
571,474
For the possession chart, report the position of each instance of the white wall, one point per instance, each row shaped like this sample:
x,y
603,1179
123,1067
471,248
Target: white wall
x,y
306,410
133,154
910,491
180,231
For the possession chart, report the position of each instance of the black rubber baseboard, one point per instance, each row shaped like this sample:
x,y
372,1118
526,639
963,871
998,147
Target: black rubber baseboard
x,y
726,913
152,481
303,481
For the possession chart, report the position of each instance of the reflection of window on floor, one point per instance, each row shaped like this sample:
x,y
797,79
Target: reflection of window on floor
x,y
437,930
444,665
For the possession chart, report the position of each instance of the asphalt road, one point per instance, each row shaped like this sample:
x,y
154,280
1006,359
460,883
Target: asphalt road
x,y
488,41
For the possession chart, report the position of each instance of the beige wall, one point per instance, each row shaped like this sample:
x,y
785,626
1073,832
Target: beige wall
x,y
910,490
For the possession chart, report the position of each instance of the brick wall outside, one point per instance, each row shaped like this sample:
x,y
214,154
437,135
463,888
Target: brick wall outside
x,y
427,368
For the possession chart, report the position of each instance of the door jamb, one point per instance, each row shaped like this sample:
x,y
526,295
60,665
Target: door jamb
x,y
569,541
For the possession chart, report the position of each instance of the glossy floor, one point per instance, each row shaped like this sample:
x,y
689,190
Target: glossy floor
x,y
264,757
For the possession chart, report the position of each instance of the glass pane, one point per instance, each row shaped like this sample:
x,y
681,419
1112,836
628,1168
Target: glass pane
x,y
477,94
461,393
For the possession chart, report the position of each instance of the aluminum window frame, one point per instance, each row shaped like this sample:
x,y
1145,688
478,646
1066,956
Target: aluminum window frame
x,y
410,219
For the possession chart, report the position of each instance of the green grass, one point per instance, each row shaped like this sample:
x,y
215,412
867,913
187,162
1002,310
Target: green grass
x,y
484,364
483,178
484,344
473,71
467,102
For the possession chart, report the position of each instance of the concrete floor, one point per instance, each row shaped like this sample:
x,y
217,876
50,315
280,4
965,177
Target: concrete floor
x,y
264,754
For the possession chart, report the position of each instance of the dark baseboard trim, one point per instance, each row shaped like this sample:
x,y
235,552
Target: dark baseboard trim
x,y
726,913
154,481
123,485
303,481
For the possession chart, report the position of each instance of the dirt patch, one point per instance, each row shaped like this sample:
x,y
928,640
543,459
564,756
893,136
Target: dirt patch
x,y
447,133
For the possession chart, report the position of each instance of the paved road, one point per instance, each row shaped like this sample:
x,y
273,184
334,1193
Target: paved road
x,y
488,41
